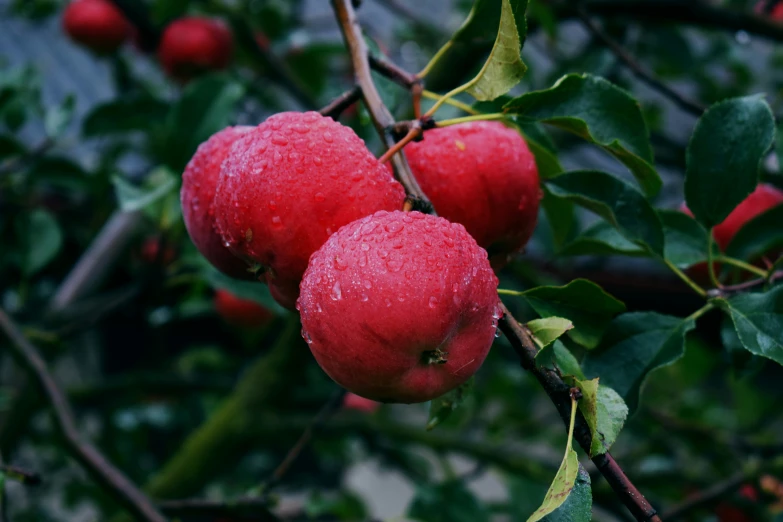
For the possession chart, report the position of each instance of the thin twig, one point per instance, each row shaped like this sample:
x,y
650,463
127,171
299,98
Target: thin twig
x,y
729,290
647,77
412,134
696,13
558,391
342,102
394,72
382,118
23,476
706,498
107,476
328,409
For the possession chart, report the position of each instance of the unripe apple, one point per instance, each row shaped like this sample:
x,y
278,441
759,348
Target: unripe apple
x,y
193,45
96,24
241,312
199,182
482,175
399,306
352,401
289,184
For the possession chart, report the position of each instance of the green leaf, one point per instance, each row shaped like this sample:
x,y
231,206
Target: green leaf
x,y
635,344
159,183
546,161
758,320
10,147
605,413
252,290
58,117
601,113
602,239
759,236
477,36
447,502
549,329
565,480
560,216
583,302
442,407
556,355
685,238
41,238
504,67
206,106
125,114
578,507
723,156
616,201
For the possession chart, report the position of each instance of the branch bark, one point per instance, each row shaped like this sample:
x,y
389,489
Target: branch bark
x,y
381,117
106,475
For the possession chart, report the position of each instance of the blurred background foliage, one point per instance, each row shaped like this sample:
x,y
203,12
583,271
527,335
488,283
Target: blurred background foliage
x,y
91,150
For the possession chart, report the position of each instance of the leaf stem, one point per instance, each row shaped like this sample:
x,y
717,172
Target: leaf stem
x,y
771,272
503,291
701,311
710,263
446,97
687,280
475,117
743,265
427,68
454,103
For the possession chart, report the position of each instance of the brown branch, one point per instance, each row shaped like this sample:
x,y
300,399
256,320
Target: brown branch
x,y
558,391
394,72
342,102
646,76
729,290
695,12
102,470
328,409
707,497
382,118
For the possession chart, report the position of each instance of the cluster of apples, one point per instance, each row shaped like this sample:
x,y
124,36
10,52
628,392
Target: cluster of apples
x,y
188,45
395,306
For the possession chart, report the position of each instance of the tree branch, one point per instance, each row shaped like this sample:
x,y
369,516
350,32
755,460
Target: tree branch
x,y
382,118
28,478
729,290
707,497
103,471
647,77
694,12
342,102
519,337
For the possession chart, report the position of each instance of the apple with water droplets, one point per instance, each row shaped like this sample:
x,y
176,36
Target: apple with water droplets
x,y
289,184
481,174
400,306
199,182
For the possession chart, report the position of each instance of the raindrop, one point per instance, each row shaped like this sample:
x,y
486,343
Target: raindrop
x,y
433,302
364,297
307,337
339,263
328,137
278,139
367,284
277,222
319,196
394,265
337,292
